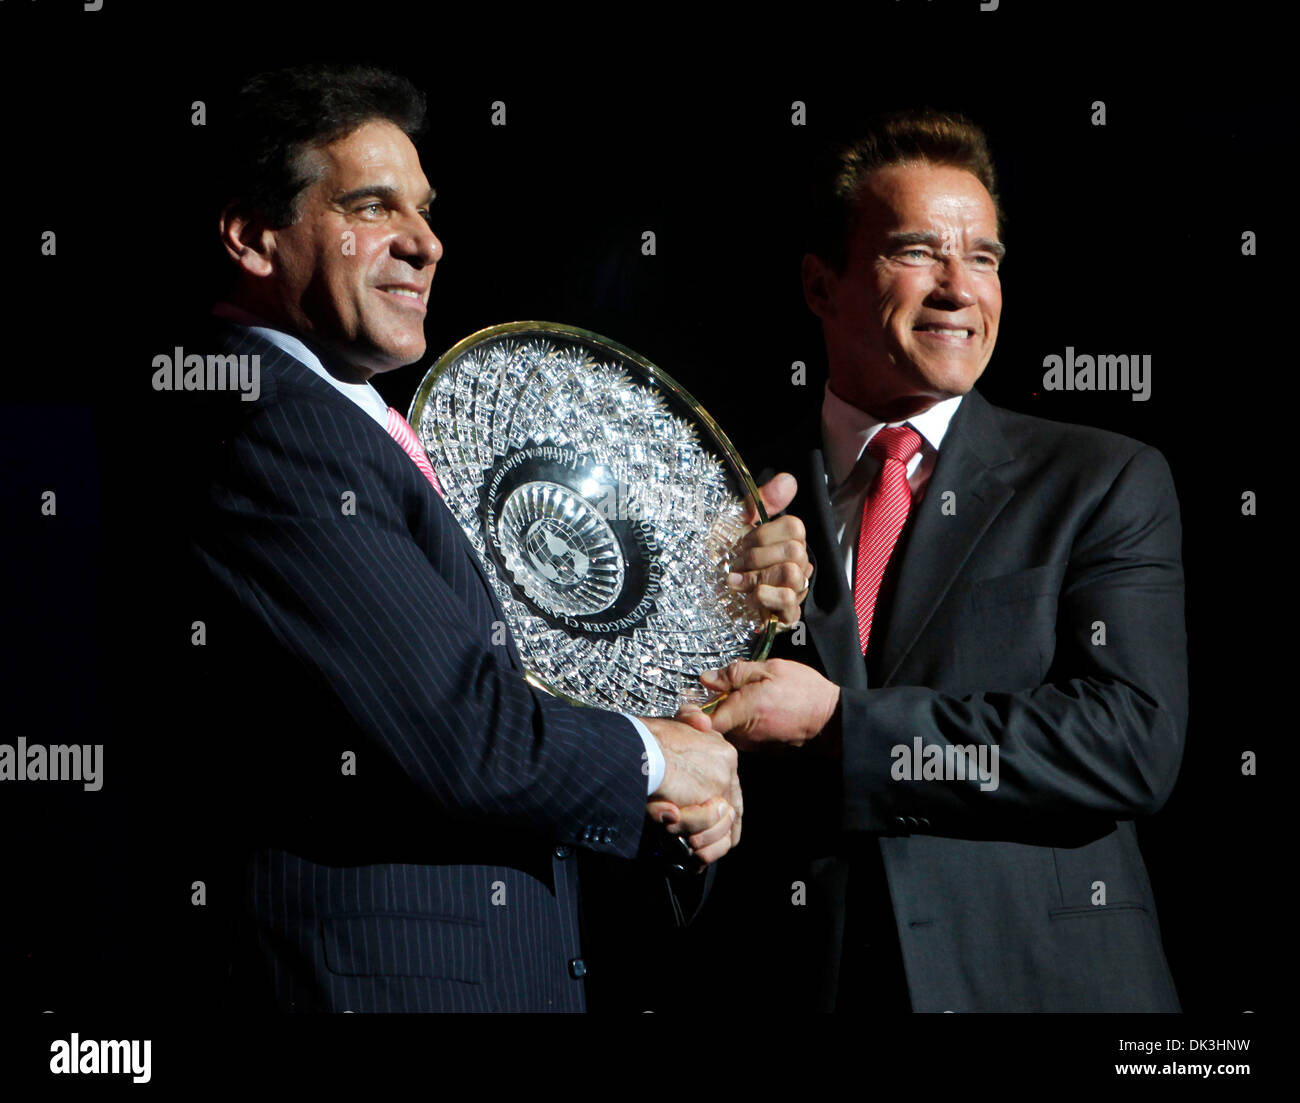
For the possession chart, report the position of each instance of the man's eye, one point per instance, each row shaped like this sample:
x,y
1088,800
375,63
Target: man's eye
x,y
918,254
427,215
371,207
985,261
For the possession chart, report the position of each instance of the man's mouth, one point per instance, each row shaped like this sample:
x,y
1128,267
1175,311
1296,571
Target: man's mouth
x,y
412,295
945,331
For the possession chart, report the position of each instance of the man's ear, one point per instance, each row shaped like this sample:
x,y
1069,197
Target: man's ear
x,y
247,239
818,286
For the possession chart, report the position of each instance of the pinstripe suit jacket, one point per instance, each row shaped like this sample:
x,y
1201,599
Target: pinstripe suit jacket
x,y
404,804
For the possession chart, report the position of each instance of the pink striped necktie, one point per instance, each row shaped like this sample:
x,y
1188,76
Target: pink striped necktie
x,y
400,430
883,516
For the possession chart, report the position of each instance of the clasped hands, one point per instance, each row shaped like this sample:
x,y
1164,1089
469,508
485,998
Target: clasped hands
x,y
776,701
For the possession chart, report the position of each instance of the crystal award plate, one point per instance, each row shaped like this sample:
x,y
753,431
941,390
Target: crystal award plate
x,y
604,505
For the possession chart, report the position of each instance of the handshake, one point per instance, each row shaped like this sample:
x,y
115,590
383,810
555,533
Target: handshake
x,y
765,703
768,703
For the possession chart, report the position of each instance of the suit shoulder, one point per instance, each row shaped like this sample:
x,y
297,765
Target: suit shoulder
x,y
286,398
293,430
1069,443
281,412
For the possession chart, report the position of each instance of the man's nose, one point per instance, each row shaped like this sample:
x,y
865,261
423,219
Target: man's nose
x,y
953,281
419,244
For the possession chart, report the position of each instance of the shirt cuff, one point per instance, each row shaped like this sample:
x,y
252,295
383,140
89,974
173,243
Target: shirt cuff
x,y
654,764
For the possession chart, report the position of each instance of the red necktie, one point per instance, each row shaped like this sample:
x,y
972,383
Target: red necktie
x,y
400,430
883,517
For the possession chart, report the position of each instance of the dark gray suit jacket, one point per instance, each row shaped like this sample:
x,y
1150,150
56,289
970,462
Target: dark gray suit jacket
x,y
439,873
988,633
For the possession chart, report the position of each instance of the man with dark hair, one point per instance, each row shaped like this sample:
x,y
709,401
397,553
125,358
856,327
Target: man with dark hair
x,y
996,684
281,116
406,839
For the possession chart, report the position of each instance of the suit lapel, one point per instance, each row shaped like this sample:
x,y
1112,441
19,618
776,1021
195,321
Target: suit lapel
x,y
828,608
240,339
939,544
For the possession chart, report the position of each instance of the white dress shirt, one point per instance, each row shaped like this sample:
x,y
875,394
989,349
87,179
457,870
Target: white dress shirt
x,y
363,394
850,470
372,402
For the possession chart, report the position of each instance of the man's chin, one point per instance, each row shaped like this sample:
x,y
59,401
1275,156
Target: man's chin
x,y
356,364
951,380
381,366
391,357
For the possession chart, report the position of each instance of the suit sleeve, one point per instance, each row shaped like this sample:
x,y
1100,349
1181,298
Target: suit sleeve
x,y
392,638
1101,740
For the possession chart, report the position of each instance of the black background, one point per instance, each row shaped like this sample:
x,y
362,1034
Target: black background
x,y
1123,238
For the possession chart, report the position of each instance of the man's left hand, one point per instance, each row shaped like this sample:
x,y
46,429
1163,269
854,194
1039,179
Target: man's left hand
x,y
771,562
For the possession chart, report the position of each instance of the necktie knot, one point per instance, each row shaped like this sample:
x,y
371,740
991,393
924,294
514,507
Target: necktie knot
x,y
895,442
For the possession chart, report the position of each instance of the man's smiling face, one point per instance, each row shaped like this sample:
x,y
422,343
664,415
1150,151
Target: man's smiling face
x,y
913,317
352,274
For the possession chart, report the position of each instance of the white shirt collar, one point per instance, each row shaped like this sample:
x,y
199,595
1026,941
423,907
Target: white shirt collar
x,y
363,394
846,431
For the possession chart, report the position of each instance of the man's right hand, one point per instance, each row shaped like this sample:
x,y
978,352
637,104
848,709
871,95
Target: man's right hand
x,y
701,768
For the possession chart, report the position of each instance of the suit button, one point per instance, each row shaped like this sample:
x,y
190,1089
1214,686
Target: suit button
x,y
900,823
577,968
563,851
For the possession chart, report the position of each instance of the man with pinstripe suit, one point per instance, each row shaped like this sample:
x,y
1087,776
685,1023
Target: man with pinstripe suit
x,y
406,840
